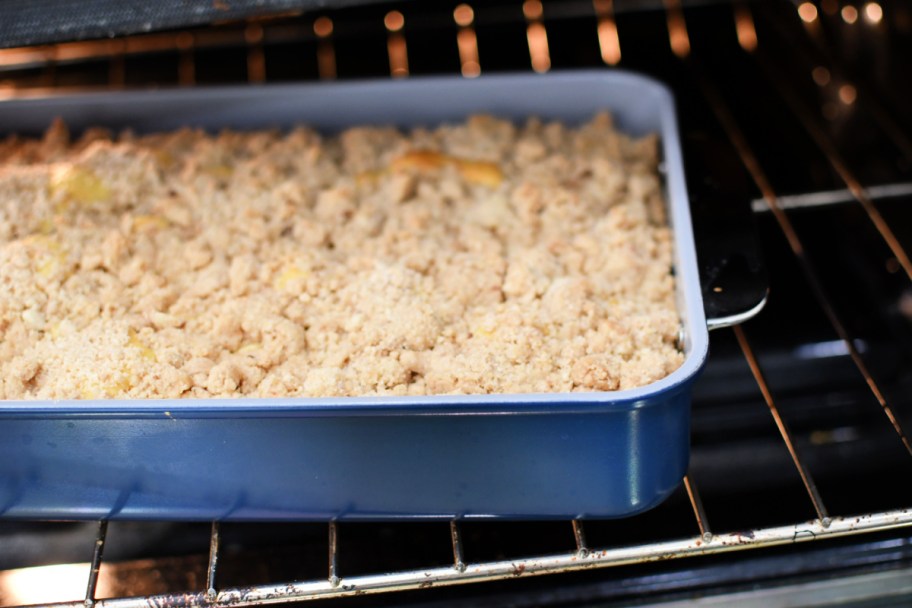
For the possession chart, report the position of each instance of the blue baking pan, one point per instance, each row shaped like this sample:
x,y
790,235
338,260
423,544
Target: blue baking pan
x,y
481,456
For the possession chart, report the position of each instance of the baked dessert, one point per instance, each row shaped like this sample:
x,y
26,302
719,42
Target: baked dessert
x,y
481,257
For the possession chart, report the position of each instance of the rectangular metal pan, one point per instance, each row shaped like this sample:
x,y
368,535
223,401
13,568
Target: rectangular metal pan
x,y
509,456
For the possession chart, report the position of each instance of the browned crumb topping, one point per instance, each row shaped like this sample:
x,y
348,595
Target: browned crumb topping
x,y
473,258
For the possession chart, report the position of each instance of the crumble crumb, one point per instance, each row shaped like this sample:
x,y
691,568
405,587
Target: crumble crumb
x,y
481,257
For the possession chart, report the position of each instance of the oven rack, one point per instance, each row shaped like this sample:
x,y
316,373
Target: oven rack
x,y
701,540
335,586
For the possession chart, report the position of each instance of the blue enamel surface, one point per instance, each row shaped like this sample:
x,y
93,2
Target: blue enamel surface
x,y
514,456
605,463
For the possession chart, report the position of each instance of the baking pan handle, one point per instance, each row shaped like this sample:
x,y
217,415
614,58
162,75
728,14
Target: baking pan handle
x,y
732,273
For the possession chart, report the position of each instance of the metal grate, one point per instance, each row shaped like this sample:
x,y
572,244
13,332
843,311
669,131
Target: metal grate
x,y
324,38
582,559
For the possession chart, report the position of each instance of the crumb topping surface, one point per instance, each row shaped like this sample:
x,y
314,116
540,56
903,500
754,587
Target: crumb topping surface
x,y
480,257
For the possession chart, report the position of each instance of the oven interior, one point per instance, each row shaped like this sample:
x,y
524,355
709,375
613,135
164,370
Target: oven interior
x,y
798,146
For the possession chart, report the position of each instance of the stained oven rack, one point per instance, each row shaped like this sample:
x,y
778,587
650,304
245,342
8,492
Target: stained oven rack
x,y
34,70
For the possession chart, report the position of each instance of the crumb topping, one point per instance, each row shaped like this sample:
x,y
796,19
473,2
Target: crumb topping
x,y
481,257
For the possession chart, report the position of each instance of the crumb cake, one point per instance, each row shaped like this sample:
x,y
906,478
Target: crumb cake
x,y
481,257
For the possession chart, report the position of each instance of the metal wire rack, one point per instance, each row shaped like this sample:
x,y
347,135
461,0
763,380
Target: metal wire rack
x,y
41,66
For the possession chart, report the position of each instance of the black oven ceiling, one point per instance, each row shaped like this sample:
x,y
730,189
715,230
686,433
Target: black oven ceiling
x,y
30,22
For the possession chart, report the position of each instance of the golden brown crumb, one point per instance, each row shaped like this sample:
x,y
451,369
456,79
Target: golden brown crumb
x,y
480,257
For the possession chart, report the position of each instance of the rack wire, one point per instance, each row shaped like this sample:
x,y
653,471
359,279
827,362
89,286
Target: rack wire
x,y
336,586
584,557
